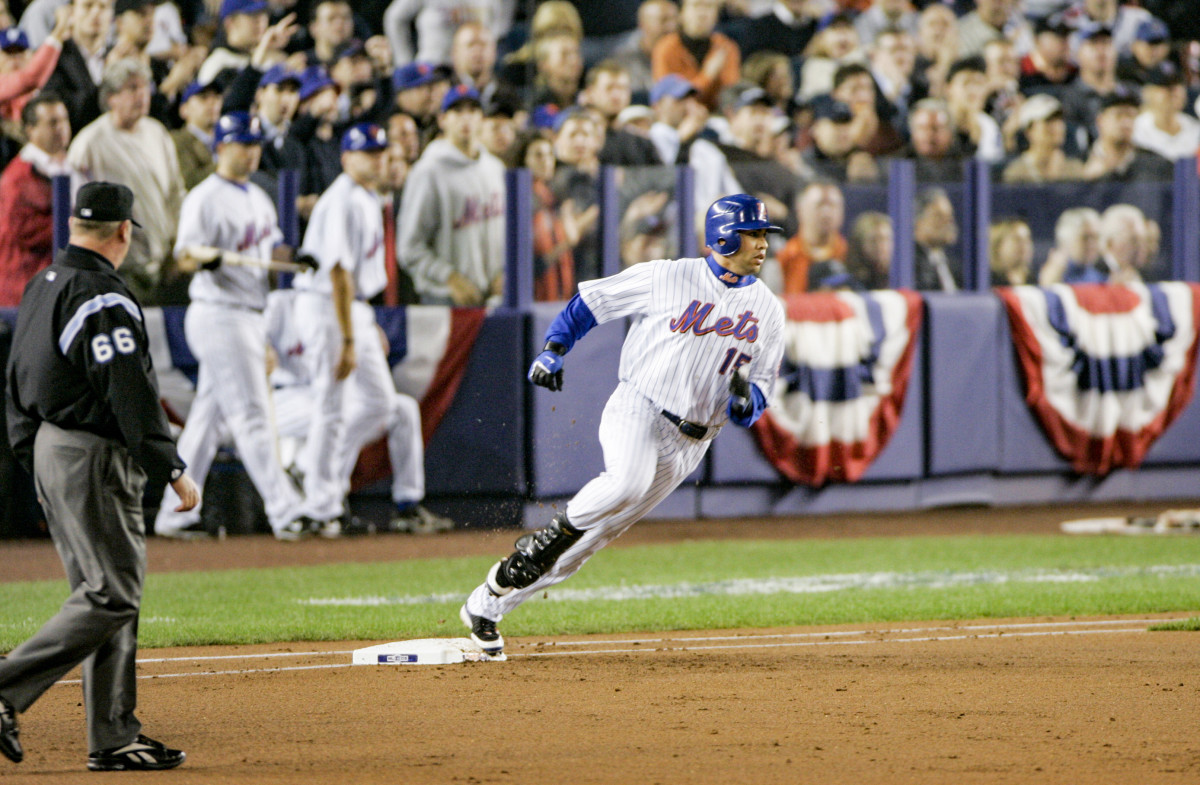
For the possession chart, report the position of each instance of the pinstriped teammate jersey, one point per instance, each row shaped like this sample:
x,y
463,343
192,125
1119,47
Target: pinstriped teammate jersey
x,y
346,227
690,332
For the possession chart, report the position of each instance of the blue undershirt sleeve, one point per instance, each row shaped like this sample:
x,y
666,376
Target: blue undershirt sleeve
x,y
759,405
571,324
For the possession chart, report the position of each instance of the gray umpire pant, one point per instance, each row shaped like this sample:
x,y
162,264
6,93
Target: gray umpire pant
x,y
91,491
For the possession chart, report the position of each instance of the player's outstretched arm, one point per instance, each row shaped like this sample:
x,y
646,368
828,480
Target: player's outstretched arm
x,y
547,368
571,324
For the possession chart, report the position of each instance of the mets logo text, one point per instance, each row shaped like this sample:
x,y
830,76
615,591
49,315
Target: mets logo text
x,y
693,318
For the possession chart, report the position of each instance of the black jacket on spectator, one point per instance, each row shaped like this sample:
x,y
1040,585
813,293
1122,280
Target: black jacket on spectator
x,y
1145,165
622,148
72,81
770,33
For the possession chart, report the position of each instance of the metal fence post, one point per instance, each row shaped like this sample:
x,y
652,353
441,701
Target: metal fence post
x,y
518,239
1185,222
60,205
901,195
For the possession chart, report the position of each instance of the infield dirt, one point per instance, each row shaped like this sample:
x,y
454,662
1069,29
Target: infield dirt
x,y
911,703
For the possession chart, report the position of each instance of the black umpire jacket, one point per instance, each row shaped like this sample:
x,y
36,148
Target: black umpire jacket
x,y
81,360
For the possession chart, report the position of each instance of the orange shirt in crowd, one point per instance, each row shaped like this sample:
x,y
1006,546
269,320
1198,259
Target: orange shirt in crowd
x,y
670,56
796,258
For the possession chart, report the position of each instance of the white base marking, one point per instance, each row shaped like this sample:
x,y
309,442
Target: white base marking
x,y
679,644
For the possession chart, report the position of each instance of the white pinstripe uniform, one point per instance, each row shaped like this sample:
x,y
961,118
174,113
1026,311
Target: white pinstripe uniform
x,y
346,227
295,401
224,329
690,332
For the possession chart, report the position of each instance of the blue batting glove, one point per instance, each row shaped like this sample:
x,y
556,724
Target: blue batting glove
x,y
546,370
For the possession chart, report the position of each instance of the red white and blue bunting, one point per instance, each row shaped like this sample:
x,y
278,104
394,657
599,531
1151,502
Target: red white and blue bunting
x,y
847,361
1106,368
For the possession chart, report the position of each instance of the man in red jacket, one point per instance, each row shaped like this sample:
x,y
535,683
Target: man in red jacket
x,y
26,217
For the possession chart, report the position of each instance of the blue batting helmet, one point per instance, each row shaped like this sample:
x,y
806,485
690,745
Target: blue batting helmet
x,y
730,215
240,127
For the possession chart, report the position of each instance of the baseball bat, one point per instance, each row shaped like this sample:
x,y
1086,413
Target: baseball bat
x,y
194,256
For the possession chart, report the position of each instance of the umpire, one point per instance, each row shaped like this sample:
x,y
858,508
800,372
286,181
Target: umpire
x,y
84,416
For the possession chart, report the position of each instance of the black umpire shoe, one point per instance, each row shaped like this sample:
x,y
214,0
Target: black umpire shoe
x,y
144,754
10,741
483,632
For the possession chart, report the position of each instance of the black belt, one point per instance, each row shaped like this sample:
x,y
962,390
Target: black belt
x,y
689,429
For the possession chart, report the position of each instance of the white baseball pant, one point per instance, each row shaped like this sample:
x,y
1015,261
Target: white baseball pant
x,y
232,396
645,459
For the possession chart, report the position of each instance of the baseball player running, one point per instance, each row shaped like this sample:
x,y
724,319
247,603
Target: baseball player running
x,y
225,331
337,326
704,349
294,409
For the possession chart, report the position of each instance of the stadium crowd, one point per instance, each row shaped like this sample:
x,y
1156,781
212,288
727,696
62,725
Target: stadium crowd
x,y
791,100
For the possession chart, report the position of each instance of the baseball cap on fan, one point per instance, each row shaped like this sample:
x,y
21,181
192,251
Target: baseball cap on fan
x,y
104,201
460,94
13,39
672,85
231,7
237,127
364,138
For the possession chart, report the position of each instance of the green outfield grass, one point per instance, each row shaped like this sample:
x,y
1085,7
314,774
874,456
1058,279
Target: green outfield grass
x,y
690,585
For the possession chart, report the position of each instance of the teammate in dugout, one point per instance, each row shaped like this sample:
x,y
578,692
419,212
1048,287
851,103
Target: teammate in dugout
x,y
704,350
84,416
226,332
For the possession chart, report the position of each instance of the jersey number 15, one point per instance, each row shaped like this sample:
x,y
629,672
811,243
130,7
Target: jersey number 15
x,y
730,363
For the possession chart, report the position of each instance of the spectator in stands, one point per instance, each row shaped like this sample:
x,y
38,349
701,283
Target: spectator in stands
x,y
749,148
1150,48
331,27
1115,155
1075,257
451,233
676,133
126,145
559,68
276,100
200,107
577,140
420,87
134,25
786,28
1163,127
710,60
244,22
1123,243
886,15
871,129
643,239
556,229
1097,79
1003,73
1041,120
22,72
76,77
871,245
1010,252
313,145
833,154
835,44
435,22
1048,63
814,257
473,61
935,231
992,19
773,73
656,18
354,73
552,17
399,289
26,208
933,145
893,58
403,130
498,131
937,47
1123,19
966,95
607,91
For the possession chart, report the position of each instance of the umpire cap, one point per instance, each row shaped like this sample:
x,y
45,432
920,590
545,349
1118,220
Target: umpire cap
x,y
364,138
104,201
241,127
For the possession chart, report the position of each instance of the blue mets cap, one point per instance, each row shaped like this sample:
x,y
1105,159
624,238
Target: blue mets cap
x,y
544,115
13,39
364,138
240,127
231,7
1153,30
672,85
418,74
195,88
460,94
314,80
278,74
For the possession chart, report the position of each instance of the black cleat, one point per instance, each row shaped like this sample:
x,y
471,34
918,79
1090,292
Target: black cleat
x,y
483,632
144,754
10,741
